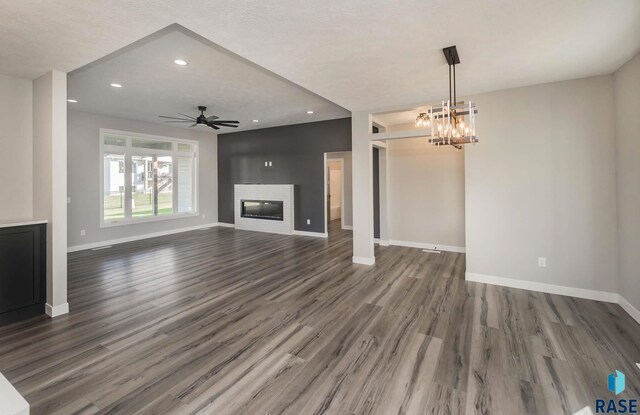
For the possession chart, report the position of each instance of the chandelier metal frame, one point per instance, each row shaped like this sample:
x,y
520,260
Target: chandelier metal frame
x,y
452,123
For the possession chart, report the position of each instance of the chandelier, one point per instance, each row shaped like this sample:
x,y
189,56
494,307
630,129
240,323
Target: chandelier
x,y
452,123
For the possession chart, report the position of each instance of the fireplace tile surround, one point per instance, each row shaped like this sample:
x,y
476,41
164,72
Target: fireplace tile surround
x,y
265,192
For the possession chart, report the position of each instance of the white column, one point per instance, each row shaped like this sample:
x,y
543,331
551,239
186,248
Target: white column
x,y
361,151
50,180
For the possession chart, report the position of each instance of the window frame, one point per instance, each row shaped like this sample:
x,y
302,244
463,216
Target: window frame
x,y
129,151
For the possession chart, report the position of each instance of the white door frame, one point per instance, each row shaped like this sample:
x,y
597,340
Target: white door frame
x,y
383,191
326,166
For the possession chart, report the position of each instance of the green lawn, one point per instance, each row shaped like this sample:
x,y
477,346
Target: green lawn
x,y
114,205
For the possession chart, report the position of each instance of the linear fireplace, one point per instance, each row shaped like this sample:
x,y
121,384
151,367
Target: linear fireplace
x,y
262,209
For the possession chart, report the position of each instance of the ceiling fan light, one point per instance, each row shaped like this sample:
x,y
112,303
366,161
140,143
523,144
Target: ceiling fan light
x,y
180,62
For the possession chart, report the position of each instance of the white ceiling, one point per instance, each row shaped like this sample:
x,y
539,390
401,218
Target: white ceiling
x,y
359,54
229,86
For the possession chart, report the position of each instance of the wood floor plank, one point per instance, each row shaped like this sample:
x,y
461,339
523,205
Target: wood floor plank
x,y
221,321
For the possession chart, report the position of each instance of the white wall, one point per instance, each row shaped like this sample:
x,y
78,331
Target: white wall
x,y
347,220
425,193
84,178
16,148
542,183
627,104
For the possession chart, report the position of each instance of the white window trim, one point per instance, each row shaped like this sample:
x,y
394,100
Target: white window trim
x,y
129,151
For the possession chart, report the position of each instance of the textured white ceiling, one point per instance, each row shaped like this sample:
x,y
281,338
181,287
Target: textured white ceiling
x,y
229,86
358,53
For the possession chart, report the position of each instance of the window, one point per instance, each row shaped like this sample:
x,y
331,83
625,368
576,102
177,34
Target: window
x,y
146,177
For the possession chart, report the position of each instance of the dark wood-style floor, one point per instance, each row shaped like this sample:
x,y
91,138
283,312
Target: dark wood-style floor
x,y
223,322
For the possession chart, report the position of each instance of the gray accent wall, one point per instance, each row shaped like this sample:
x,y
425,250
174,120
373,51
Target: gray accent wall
x,y
296,153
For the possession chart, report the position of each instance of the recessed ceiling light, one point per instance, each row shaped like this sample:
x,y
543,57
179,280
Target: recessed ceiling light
x,y
180,62
116,85
72,100
309,112
256,120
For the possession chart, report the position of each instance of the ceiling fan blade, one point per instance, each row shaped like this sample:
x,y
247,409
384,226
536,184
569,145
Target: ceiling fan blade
x,y
226,125
213,126
212,118
188,116
171,118
227,121
193,125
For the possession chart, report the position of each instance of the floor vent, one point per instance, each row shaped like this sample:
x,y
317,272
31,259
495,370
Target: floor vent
x,y
101,248
432,251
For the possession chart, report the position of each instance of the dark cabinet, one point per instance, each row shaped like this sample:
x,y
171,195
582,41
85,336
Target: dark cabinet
x,y
22,272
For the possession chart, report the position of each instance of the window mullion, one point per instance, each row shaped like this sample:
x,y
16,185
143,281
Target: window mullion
x,y
156,195
128,187
174,184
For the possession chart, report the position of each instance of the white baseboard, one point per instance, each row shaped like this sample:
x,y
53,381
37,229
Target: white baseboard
x,y
139,237
171,232
423,245
629,308
544,287
347,227
56,310
379,242
364,260
314,234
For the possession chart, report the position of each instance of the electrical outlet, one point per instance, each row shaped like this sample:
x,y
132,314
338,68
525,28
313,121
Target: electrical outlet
x,y
542,262
266,164
270,164
83,232
308,221
68,199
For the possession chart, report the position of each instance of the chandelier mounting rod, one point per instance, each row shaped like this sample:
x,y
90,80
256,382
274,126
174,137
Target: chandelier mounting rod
x,y
451,55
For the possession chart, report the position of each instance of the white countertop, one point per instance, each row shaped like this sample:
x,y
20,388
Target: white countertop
x,y
9,223
12,402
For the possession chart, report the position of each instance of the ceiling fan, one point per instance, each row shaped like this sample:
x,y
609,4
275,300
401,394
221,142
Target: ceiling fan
x,y
211,121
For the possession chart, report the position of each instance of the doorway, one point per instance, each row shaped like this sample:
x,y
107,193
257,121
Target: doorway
x,y
338,193
335,193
